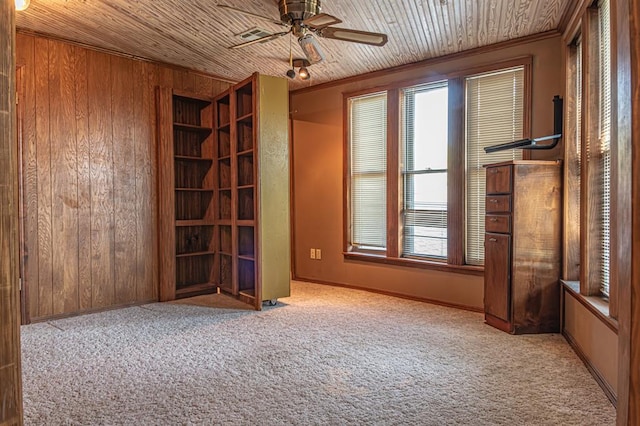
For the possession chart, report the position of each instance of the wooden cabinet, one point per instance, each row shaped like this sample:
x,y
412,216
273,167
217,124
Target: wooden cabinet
x,y
522,246
224,192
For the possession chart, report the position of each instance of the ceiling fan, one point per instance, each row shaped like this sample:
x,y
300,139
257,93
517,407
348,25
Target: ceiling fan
x,y
304,19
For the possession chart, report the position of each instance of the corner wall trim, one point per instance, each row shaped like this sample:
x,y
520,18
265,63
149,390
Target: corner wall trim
x,y
608,390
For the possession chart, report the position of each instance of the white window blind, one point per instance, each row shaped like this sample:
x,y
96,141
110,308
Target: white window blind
x,y
424,170
605,138
368,171
494,114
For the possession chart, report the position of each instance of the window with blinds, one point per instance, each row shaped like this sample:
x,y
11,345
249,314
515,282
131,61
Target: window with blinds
x,y
604,20
424,170
368,171
494,114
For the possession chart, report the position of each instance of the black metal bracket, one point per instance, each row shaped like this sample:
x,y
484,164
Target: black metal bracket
x,y
533,143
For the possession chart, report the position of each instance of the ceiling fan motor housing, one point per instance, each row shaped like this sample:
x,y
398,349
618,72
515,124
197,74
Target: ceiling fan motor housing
x,y
298,10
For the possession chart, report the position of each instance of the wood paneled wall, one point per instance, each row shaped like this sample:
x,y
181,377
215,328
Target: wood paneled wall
x,y
628,134
10,388
89,175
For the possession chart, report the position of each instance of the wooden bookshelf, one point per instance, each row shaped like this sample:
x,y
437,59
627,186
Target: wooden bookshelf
x,y
187,194
224,202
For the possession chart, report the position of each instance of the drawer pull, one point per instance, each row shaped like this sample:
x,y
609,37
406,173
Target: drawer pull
x,y
493,240
493,200
493,219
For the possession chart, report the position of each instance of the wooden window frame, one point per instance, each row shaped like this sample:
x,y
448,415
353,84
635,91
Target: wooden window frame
x,y
456,168
403,177
582,262
571,229
347,156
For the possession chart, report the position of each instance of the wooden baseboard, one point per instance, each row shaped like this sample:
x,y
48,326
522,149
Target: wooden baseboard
x,y
608,390
392,294
89,311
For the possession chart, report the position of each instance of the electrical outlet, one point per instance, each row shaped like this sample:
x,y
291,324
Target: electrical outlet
x,y
312,254
318,254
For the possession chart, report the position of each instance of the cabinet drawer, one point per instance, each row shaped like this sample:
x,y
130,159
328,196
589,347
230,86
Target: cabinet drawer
x,y
497,223
499,180
498,203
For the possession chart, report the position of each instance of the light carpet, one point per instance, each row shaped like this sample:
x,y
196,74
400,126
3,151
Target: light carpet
x,y
325,355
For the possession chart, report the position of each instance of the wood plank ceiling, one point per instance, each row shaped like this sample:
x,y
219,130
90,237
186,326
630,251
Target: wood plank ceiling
x,y
196,34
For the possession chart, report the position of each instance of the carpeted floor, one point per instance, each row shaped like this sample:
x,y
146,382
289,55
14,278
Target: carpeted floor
x,y
323,356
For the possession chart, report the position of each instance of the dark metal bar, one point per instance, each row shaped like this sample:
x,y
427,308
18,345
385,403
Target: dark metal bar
x,y
509,145
533,143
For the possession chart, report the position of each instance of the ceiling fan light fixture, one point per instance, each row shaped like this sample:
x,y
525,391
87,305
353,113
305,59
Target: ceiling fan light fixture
x,y
291,74
311,48
22,4
304,74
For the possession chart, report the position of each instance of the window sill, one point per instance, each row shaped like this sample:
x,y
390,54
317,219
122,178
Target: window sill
x,y
598,306
414,263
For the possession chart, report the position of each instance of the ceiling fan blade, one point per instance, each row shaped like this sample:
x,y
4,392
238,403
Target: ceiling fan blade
x,y
355,36
255,15
321,20
260,40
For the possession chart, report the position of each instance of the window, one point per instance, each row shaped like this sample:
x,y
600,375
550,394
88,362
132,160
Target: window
x,y
605,140
495,114
368,137
589,154
414,161
424,171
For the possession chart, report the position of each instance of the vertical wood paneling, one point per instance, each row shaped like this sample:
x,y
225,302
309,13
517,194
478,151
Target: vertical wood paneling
x,y
43,160
184,80
165,77
219,87
144,189
25,58
101,170
90,175
10,388
627,16
634,318
19,90
64,177
202,85
124,184
152,228
84,181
